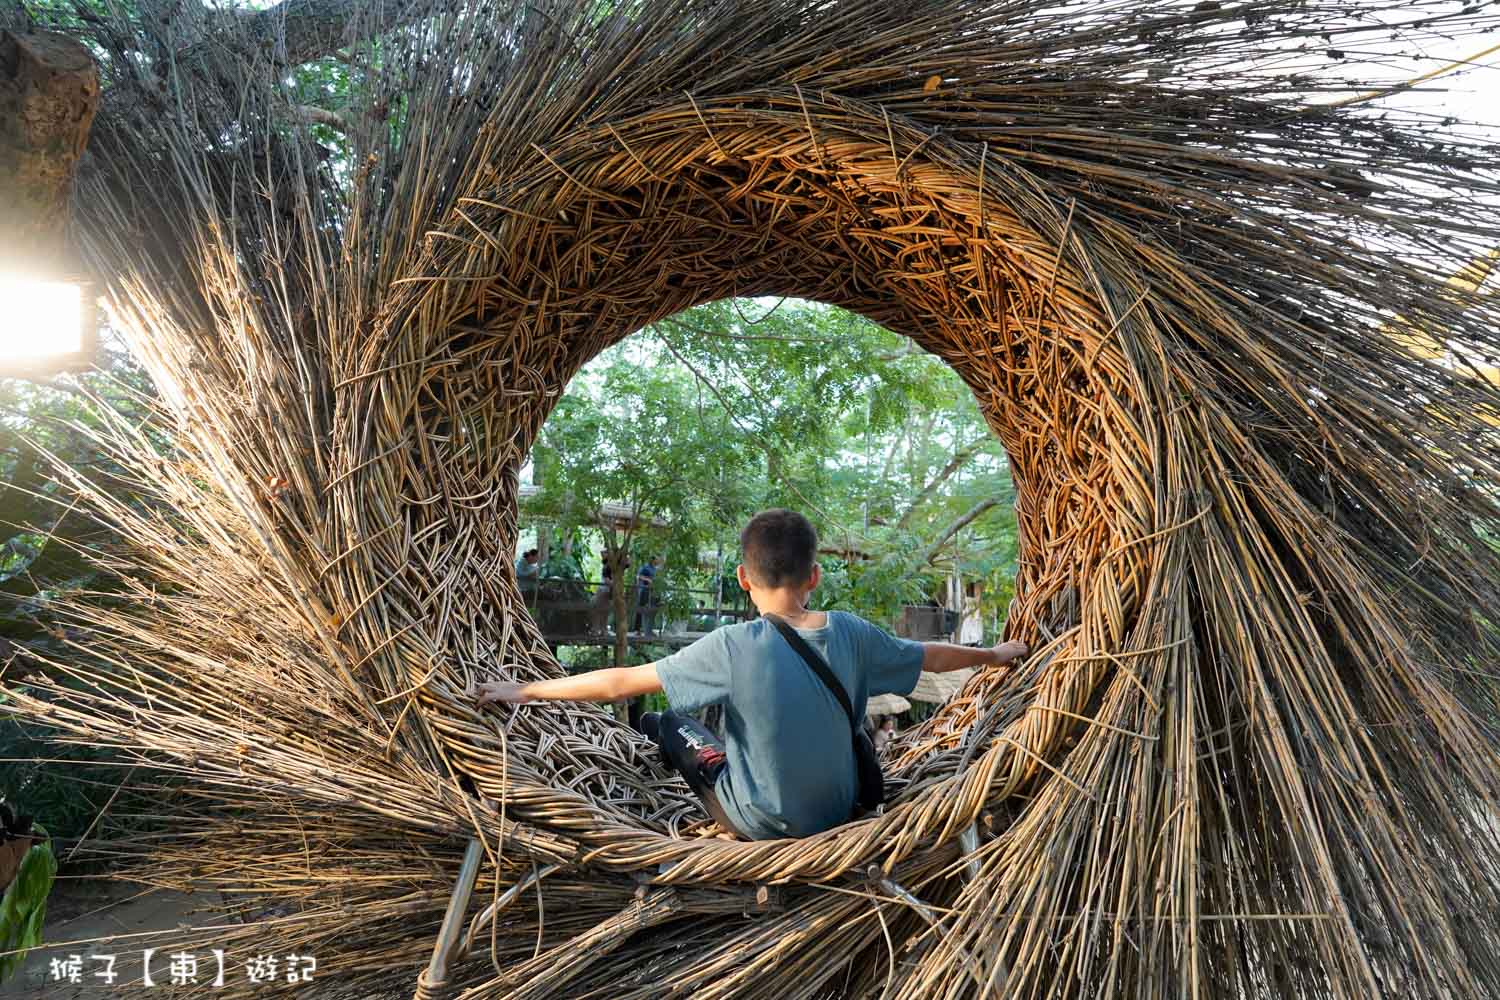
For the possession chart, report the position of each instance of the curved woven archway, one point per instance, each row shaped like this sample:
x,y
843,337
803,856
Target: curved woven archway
x,y
726,218
1252,752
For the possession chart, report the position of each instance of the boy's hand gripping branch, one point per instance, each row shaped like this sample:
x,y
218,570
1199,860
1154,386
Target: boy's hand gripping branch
x,y
941,657
1009,651
499,692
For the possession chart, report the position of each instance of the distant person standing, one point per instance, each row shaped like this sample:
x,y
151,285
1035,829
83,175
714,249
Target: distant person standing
x,y
528,568
645,612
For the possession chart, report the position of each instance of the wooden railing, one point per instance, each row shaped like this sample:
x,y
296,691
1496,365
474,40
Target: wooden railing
x,y
575,612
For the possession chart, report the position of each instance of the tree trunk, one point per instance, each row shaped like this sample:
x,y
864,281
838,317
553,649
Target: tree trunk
x,y
49,91
616,555
620,597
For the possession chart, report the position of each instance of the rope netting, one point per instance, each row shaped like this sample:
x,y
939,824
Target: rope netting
x,y
1254,750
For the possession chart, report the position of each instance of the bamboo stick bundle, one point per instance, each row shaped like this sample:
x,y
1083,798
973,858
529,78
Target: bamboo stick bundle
x,y
1254,752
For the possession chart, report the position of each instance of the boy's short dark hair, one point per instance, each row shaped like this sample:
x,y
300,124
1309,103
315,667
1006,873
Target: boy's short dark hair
x,y
780,547
529,553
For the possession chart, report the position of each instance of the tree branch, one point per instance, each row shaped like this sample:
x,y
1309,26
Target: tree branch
x,y
49,92
959,460
910,350
771,454
314,115
300,31
947,536
705,332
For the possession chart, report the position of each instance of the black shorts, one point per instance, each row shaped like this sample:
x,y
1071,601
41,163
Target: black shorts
x,y
695,753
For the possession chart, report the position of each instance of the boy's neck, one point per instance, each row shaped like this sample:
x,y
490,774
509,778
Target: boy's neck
x,y
783,602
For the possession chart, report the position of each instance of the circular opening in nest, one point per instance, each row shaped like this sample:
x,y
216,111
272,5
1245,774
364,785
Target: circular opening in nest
x,y
665,444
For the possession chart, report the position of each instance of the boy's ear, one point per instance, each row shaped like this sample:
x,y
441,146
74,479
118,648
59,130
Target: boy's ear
x,y
742,576
815,577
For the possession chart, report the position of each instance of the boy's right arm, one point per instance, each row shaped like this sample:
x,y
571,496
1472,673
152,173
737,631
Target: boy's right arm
x,y
596,685
941,657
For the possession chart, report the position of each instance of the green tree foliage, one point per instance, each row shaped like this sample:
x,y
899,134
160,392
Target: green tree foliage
x,y
630,435
44,548
39,540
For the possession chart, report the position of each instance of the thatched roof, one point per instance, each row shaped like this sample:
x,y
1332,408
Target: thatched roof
x,y
1252,750
886,704
938,688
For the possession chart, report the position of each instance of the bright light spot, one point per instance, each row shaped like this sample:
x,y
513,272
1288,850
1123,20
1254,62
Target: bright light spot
x,y
39,319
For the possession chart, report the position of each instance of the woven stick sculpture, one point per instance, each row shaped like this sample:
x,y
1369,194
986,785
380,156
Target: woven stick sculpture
x,y
1254,752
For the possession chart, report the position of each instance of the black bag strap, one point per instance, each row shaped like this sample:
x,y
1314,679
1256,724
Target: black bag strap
x,y
825,674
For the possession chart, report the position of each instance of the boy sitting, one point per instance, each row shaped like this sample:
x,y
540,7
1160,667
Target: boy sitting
x,y
786,768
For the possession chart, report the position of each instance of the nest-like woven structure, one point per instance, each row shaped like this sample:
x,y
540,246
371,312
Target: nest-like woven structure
x,y
1254,750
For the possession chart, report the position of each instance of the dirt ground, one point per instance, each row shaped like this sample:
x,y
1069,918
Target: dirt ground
x,y
81,911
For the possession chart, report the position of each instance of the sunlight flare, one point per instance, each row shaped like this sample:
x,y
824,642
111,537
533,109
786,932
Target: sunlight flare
x,y
39,320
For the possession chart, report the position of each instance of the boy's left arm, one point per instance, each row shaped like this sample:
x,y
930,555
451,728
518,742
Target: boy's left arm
x,y
942,657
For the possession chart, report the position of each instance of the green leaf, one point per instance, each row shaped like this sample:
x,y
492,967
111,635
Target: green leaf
x,y
31,936
10,913
34,880
23,907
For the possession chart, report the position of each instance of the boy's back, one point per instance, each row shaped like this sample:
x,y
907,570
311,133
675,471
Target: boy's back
x,y
790,767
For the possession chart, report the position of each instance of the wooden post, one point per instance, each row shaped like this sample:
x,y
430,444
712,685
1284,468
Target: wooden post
x,y
718,585
433,980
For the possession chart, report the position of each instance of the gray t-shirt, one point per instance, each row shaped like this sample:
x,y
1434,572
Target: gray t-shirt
x,y
790,769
